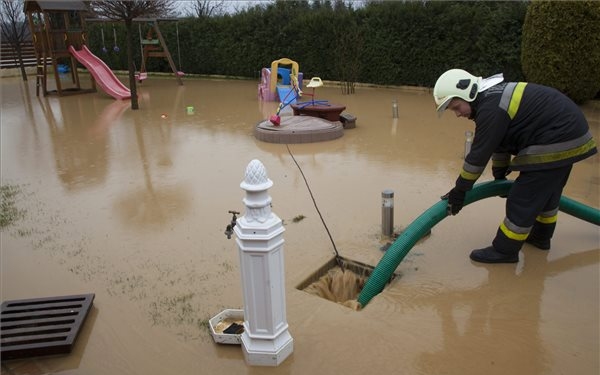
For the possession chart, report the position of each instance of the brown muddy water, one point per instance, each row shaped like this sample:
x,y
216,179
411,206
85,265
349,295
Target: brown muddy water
x,y
132,206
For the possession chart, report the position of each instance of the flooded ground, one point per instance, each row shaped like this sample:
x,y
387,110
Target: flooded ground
x,y
132,206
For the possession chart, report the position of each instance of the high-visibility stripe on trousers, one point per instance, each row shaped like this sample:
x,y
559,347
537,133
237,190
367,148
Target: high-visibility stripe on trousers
x,y
531,208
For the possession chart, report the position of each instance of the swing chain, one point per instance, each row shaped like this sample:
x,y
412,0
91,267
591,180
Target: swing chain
x,y
116,47
103,44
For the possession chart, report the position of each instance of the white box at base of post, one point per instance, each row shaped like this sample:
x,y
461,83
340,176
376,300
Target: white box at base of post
x,y
226,319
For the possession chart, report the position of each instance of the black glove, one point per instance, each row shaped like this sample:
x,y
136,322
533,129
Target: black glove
x,y
456,200
500,173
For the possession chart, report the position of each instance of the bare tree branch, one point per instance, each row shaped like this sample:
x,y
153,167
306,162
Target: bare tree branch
x,y
15,30
128,10
208,8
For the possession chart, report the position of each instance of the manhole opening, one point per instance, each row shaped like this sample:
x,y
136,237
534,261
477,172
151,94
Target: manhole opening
x,y
330,283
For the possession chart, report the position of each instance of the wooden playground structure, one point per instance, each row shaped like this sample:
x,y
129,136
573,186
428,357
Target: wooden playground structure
x,y
54,26
156,47
57,25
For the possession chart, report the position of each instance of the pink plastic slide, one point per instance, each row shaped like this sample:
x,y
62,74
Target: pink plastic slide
x,y
104,77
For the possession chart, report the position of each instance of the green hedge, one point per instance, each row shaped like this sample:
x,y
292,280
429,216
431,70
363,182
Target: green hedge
x,y
384,42
561,47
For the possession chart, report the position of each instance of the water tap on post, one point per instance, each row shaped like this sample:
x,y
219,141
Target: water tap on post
x,y
266,340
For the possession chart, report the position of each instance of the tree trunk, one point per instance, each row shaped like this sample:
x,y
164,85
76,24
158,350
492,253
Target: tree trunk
x,y
130,66
21,64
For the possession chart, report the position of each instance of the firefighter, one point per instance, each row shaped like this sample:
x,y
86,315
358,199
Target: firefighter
x,y
522,127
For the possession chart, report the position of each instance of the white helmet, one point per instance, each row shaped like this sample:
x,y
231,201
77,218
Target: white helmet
x,y
455,83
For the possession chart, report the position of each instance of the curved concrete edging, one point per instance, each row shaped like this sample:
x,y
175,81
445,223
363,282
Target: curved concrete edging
x,y
298,129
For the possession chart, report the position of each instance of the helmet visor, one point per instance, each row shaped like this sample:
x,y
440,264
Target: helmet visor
x,y
443,105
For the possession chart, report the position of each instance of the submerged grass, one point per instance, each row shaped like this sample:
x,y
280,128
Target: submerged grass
x,y
9,213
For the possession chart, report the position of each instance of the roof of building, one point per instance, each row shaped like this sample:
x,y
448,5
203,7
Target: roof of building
x,y
54,5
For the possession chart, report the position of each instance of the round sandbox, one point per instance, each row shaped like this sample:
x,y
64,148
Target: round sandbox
x,y
298,129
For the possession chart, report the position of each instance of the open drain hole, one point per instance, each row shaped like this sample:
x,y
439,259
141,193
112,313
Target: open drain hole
x,y
330,283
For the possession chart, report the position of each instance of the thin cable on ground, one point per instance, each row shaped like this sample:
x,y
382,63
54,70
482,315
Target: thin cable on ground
x,y
337,255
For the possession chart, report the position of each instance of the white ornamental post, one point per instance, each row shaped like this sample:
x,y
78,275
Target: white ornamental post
x,y
259,235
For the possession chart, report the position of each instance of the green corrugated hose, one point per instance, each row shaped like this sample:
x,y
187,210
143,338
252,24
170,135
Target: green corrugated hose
x,y
428,219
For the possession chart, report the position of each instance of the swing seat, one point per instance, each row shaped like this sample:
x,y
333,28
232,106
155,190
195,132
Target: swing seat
x,y
150,41
141,76
315,82
180,73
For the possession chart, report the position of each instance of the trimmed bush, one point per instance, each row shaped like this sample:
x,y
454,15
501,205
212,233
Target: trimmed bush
x,y
561,47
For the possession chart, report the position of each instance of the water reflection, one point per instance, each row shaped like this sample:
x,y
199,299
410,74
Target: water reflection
x,y
79,153
496,326
25,95
110,116
394,130
155,203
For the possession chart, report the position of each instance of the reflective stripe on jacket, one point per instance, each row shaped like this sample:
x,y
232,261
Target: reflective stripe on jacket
x,y
538,125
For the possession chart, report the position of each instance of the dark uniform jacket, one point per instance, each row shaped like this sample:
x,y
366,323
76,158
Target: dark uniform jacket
x,y
538,125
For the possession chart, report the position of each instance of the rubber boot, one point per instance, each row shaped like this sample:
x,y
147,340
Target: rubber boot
x,y
540,235
491,255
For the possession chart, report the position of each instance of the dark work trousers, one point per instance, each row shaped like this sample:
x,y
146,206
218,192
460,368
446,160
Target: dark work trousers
x,y
531,195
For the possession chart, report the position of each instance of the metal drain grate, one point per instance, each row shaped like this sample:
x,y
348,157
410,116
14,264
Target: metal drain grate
x,y
42,326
